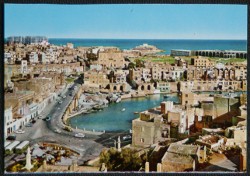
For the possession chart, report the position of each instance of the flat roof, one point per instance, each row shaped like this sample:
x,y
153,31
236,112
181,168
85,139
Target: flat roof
x,y
177,158
183,149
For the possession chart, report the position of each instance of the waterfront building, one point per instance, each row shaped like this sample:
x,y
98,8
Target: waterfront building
x,y
163,86
221,53
146,49
179,52
149,128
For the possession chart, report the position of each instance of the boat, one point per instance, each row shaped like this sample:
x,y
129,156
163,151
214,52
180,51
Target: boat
x,y
118,100
165,96
123,109
136,112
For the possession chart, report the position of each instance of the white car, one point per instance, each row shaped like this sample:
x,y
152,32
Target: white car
x,y
79,135
20,131
127,137
57,131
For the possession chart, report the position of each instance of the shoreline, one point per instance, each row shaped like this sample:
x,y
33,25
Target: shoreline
x,y
87,111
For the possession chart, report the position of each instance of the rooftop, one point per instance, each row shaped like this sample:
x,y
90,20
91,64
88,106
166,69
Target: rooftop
x,y
177,158
183,149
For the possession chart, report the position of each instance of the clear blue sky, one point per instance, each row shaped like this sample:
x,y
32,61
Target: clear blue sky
x,y
127,21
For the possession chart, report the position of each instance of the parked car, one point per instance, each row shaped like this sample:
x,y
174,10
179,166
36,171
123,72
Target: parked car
x,y
57,131
33,121
60,102
28,125
47,118
11,137
79,135
64,96
19,131
127,137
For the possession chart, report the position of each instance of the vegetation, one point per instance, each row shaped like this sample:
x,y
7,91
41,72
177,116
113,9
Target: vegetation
x,y
126,160
227,60
164,59
69,80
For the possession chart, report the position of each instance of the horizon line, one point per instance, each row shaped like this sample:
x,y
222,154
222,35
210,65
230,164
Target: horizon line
x,y
122,38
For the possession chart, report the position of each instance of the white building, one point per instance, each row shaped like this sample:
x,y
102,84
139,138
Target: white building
x,y
180,52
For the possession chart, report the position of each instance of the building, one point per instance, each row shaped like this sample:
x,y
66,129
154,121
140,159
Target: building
x,y
221,53
202,62
179,158
27,39
179,52
149,128
213,142
111,58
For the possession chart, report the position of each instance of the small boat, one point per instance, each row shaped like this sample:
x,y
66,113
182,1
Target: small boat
x,y
123,109
165,96
136,112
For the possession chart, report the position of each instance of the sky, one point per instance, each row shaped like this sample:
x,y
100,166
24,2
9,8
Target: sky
x,y
131,21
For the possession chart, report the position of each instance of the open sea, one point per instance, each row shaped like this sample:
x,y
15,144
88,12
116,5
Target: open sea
x,y
163,44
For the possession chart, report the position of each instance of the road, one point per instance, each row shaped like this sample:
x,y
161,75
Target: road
x,y
89,147
43,131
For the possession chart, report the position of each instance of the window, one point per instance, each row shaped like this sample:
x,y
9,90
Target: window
x,y
142,140
142,129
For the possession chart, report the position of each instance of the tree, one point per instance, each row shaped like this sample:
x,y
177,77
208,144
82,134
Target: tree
x,y
126,160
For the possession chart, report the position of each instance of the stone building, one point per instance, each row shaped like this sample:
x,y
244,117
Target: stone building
x,y
111,58
96,79
149,128
179,158
202,62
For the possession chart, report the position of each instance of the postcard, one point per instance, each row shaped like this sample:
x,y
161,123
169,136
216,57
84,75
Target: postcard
x,y
147,88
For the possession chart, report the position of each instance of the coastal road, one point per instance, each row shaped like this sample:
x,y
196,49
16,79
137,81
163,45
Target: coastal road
x,y
43,131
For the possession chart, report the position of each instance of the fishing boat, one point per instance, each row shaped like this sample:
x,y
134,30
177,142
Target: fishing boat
x,y
123,109
136,112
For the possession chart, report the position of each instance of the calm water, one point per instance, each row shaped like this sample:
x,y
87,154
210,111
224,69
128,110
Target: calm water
x,y
113,119
165,44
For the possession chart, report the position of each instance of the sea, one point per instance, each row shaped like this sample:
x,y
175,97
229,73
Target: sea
x,y
164,44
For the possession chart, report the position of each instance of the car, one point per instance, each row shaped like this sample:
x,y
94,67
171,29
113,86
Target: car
x,y
127,137
33,121
11,137
47,118
70,94
79,135
28,125
57,131
60,102
19,131
64,96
